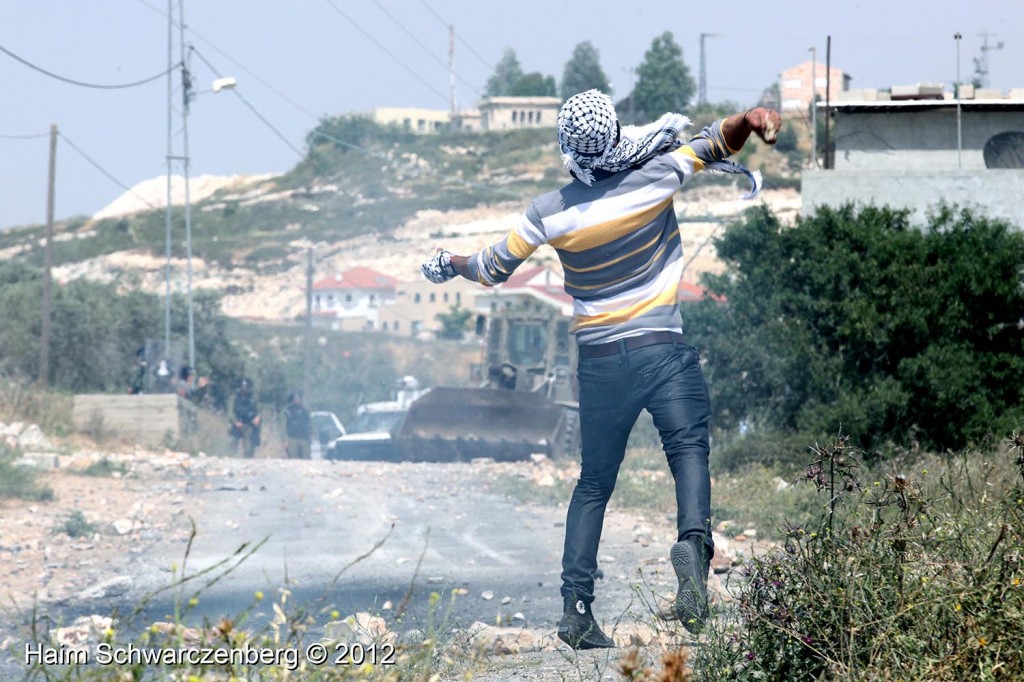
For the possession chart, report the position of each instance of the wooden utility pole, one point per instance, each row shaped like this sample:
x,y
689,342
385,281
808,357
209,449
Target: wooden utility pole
x,y
47,303
828,101
307,364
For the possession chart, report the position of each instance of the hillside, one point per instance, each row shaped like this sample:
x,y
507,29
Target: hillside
x,y
383,199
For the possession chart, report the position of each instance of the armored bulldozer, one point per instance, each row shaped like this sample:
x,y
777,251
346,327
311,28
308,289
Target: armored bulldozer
x,y
524,401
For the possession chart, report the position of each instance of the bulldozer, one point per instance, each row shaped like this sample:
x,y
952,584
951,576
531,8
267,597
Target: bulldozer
x,y
524,402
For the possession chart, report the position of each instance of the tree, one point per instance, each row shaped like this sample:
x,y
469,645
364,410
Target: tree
x,y
583,72
534,84
454,322
663,82
507,73
861,322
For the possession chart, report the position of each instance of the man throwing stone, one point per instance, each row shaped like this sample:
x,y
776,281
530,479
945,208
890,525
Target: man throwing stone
x,y
615,231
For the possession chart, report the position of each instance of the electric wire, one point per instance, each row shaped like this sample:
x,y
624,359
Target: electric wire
x,y
387,51
119,86
95,164
234,61
425,48
35,136
459,37
251,108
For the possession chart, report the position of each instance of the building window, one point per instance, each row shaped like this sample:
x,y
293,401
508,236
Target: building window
x,y
445,297
330,301
407,123
433,297
529,117
421,125
792,83
395,325
318,302
348,298
373,297
417,297
458,297
514,116
522,117
384,326
536,118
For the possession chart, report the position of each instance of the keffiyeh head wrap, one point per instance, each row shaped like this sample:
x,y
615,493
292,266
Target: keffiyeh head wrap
x,y
589,137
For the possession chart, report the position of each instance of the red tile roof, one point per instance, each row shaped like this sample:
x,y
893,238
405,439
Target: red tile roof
x,y
356,278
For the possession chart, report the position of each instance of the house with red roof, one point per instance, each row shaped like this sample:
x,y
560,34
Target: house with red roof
x,y
351,299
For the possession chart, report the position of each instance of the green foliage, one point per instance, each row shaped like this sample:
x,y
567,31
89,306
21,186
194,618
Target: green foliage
x,y
95,331
20,481
583,71
507,73
535,84
105,468
663,82
75,525
856,320
454,322
916,573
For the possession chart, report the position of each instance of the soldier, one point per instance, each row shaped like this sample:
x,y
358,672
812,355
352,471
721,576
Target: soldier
x,y
296,428
245,426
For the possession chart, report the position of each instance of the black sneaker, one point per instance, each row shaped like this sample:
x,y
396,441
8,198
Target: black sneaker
x,y
578,628
691,563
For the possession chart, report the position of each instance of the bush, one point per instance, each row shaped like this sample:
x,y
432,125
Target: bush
x,y
855,320
20,481
916,575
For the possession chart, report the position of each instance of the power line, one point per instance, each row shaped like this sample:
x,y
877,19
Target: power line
x,y
24,137
234,61
105,172
387,51
420,43
83,84
460,39
251,108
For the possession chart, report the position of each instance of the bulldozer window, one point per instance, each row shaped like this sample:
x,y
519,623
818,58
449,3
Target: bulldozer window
x,y
527,344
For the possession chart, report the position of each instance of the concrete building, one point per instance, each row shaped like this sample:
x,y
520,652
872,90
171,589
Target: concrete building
x,y
411,118
911,153
795,84
511,113
351,300
416,306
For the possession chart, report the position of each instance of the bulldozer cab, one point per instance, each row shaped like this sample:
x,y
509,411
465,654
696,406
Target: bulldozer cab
x,y
532,351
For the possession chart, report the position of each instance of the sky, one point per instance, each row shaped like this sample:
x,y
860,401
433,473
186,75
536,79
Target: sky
x,y
298,60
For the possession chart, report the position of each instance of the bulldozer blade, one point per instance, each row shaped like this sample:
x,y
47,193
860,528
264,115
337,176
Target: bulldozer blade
x,y
459,424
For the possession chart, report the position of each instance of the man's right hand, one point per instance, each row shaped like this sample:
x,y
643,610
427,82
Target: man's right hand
x,y
765,123
438,268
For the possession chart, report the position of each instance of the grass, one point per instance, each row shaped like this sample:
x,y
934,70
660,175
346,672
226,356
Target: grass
x,y
75,525
20,482
105,468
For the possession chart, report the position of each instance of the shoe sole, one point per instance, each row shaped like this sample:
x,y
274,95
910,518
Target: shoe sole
x,y
691,605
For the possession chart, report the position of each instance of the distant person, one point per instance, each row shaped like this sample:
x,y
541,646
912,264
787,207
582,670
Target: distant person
x,y
138,384
615,231
296,428
190,386
245,424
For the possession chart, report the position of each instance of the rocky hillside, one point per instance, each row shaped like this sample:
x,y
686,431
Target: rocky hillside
x,y
383,204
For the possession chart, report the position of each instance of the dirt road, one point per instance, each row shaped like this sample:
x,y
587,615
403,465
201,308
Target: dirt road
x,y
400,529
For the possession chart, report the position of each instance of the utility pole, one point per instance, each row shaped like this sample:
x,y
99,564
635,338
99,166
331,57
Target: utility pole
x,y
47,303
186,91
814,106
702,88
451,68
959,126
307,364
170,157
828,102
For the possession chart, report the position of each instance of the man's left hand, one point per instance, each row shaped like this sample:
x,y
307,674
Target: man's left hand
x,y
438,269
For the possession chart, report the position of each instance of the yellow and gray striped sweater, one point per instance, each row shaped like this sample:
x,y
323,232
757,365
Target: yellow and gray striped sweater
x,y
617,239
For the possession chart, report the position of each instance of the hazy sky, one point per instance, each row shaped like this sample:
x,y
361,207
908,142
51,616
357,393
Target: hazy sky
x,y
296,60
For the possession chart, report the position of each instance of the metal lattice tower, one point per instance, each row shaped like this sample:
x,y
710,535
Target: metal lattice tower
x,y
981,63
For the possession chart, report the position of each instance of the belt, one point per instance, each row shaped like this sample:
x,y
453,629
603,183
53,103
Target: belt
x,y
599,350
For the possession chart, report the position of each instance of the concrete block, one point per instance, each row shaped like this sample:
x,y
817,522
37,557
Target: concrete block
x,y
988,93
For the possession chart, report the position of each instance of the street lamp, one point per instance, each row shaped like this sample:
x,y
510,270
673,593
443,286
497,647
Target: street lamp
x,y
814,106
959,127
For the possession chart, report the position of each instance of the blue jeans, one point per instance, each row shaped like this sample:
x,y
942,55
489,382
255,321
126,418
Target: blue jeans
x,y
667,381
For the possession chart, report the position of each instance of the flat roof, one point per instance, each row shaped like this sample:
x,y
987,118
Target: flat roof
x,y
885,106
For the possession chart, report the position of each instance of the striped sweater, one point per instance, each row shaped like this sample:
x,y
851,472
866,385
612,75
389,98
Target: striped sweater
x,y
618,241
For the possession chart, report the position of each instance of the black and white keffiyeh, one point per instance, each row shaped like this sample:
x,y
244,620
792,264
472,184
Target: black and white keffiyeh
x,y
589,137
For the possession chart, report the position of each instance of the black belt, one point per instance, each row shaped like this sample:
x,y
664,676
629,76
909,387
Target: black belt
x,y
599,350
